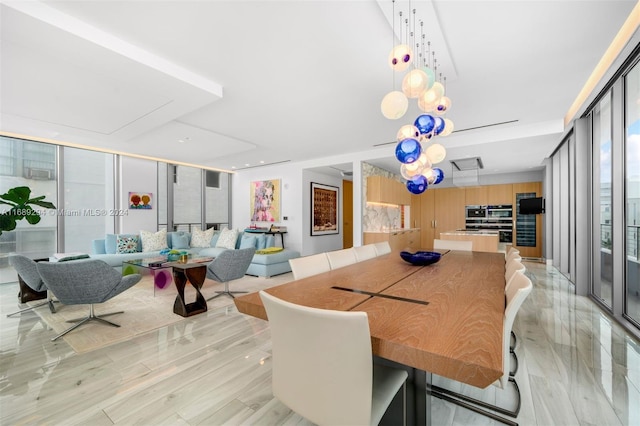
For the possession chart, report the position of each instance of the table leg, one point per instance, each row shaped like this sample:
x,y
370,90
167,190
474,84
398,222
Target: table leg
x,y
195,277
422,387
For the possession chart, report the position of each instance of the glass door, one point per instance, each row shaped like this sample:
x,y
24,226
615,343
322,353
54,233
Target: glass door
x,y
602,283
632,154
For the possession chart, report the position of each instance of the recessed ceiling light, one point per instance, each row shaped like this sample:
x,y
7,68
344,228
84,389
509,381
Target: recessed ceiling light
x,y
180,140
247,165
261,162
233,167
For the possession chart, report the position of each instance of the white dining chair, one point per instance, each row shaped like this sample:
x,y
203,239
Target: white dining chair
x,y
365,252
512,254
382,247
323,365
512,251
516,295
341,258
513,266
452,245
307,266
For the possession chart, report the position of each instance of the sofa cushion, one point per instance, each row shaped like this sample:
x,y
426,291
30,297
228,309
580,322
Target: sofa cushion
x,y
153,241
248,241
279,257
228,238
126,244
180,240
202,238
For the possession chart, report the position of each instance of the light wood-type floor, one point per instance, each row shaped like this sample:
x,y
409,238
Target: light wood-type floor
x,y
576,367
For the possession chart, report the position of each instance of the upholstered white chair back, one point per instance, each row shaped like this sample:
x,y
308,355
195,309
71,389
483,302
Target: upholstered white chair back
x,y
452,245
382,248
513,266
307,266
323,367
365,252
516,294
340,258
512,251
512,254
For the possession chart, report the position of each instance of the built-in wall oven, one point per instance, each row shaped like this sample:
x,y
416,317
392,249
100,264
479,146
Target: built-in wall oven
x,y
491,218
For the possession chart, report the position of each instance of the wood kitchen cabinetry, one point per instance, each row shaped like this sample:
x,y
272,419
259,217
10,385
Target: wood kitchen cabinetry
x,y
441,210
381,189
489,195
499,194
400,239
527,233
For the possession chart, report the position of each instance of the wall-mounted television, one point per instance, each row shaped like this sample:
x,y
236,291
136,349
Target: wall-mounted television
x,y
531,205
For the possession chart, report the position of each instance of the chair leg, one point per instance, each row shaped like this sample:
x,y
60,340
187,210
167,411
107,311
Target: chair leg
x,y
92,317
513,341
227,292
514,357
466,401
49,302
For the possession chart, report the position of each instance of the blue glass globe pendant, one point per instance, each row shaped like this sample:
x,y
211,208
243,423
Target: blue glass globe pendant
x,y
417,185
408,150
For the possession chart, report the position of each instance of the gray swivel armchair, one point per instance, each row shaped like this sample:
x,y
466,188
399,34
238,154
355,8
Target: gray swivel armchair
x,y
28,272
229,265
85,282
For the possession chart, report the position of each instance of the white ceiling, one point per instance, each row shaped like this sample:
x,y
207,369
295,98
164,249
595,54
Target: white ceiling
x,y
250,83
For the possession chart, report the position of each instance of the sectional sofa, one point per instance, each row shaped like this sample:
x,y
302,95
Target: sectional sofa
x,y
115,249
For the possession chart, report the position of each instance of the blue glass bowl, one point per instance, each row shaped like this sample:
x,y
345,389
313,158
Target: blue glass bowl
x,y
420,258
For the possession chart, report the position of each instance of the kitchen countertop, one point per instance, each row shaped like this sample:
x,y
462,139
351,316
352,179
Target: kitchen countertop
x,y
487,233
392,230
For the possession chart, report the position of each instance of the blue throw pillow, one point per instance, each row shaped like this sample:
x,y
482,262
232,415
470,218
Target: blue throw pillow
x,y
110,244
270,242
247,241
215,237
261,241
180,240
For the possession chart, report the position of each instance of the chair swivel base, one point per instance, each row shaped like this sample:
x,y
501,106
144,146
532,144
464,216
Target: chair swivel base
x,y
47,302
85,320
227,292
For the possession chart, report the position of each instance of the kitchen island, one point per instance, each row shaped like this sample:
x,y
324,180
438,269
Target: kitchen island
x,y
486,241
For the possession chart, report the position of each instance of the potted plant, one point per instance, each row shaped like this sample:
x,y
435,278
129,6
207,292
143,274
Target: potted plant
x,y
20,207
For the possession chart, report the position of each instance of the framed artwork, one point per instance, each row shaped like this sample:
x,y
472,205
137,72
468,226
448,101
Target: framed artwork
x,y
265,200
140,200
324,209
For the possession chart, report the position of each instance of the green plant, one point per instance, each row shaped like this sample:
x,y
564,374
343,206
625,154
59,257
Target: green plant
x,y
21,207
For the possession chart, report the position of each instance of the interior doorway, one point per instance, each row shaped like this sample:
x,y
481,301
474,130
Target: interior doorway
x,y
347,214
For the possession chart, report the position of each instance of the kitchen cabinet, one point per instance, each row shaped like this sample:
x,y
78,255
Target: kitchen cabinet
x,y
527,235
489,195
399,239
414,211
381,189
499,194
476,196
441,210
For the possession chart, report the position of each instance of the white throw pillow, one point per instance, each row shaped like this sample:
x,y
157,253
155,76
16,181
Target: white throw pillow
x,y
200,238
154,241
227,239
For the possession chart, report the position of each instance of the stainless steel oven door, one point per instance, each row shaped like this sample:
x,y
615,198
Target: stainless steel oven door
x,y
505,236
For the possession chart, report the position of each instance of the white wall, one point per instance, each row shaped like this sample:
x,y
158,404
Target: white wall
x,y
291,203
137,175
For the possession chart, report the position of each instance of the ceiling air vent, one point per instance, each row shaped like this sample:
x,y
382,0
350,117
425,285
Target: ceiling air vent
x,y
465,171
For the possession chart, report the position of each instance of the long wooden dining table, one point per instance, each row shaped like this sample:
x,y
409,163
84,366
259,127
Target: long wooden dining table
x,y
444,319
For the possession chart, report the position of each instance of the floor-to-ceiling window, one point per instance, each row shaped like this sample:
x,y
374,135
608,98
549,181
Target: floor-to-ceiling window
x,y
632,184
602,212
88,197
34,165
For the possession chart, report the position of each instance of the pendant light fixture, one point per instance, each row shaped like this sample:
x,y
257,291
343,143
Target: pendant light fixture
x,y
416,148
